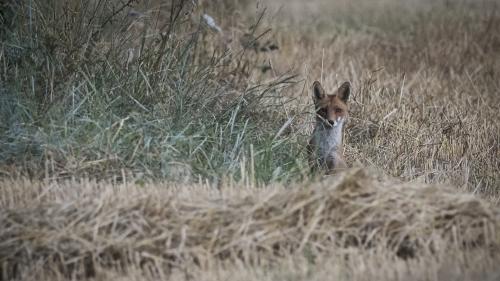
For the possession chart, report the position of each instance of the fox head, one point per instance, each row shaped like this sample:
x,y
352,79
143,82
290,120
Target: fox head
x,y
331,109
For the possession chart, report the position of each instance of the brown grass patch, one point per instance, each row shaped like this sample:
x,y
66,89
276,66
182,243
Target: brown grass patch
x,y
425,102
75,229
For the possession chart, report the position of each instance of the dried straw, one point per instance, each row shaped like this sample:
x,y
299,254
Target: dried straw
x,y
76,227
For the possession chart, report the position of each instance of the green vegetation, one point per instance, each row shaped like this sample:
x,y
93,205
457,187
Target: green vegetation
x,y
74,102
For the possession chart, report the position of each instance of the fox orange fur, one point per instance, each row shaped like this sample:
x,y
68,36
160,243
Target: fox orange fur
x,y
325,149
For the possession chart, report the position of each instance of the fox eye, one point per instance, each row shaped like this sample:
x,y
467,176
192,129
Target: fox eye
x,y
321,111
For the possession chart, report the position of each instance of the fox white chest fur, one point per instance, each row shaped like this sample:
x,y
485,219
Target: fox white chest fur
x,y
325,148
327,140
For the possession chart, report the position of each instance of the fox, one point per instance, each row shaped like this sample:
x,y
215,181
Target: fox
x,y
325,148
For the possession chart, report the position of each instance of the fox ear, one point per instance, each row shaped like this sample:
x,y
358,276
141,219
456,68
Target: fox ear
x,y
344,91
318,91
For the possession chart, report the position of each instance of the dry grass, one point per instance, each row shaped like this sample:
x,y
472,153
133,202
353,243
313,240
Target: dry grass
x,y
92,229
426,96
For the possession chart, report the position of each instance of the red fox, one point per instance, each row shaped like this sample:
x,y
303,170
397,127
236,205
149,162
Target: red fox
x,y
325,149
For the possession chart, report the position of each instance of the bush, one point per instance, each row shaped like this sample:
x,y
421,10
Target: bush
x,y
99,89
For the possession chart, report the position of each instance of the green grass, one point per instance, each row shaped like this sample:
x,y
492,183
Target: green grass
x,y
73,106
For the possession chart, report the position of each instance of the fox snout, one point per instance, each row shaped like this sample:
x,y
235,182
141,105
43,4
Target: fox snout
x,y
334,122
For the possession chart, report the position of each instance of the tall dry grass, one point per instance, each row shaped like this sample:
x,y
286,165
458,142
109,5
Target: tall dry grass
x,y
426,96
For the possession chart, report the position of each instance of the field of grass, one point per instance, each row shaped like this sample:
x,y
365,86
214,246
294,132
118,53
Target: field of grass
x,y
141,141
